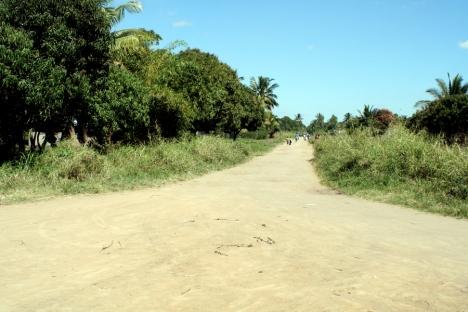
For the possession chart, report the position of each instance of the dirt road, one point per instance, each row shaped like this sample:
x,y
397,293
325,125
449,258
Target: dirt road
x,y
264,236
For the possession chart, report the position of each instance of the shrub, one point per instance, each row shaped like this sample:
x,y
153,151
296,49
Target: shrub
x,y
69,161
383,119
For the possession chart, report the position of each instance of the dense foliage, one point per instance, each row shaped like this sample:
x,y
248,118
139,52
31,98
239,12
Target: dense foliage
x,y
320,126
447,117
31,89
63,69
290,125
447,114
217,98
53,53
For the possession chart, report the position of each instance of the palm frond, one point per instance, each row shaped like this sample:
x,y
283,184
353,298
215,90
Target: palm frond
x,y
464,88
435,93
457,85
274,86
443,87
135,39
116,14
263,88
175,45
422,104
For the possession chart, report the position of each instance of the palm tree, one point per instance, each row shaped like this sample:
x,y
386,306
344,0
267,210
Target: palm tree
x,y
271,123
263,88
367,115
116,14
455,87
347,117
298,119
128,40
133,39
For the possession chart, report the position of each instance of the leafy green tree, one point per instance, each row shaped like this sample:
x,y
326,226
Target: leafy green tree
x,y
264,89
170,113
130,41
349,122
317,125
122,109
252,117
347,117
240,111
298,119
31,90
73,35
271,124
446,116
366,116
231,120
455,86
332,124
210,87
288,124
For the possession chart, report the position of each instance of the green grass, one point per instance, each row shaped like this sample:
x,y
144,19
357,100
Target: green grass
x,y
399,167
69,169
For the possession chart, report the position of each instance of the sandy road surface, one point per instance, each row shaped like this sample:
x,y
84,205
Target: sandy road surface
x,y
264,236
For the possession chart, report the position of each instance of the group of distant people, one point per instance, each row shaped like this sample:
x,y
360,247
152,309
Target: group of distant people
x,y
297,137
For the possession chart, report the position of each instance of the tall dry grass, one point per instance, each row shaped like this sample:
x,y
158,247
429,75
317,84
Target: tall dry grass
x,y
70,169
399,167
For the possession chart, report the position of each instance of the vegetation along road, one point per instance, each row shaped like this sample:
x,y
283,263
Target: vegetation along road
x,y
263,236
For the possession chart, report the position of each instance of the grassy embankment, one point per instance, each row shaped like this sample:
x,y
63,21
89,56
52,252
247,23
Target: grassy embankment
x,y
69,169
399,167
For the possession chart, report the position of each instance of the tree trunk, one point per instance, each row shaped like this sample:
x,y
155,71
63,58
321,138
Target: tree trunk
x,y
83,135
71,135
109,139
32,140
21,142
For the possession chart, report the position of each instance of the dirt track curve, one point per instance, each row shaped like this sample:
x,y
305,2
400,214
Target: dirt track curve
x,y
264,236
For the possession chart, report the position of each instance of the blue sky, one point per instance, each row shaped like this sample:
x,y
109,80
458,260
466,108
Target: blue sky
x,y
327,56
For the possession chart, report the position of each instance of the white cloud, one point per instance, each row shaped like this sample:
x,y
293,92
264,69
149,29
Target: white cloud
x,y
464,44
181,24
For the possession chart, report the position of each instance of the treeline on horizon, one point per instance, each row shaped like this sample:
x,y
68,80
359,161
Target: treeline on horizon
x,y
445,116
64,70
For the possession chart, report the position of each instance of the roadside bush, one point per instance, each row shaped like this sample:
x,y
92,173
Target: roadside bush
x,y
383,119
432,175
69,161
